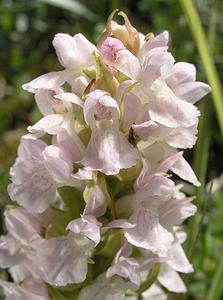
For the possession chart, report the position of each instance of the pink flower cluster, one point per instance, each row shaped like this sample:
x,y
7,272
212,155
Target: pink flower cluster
x,y
96,211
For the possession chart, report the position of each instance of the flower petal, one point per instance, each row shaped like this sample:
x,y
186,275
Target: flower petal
x,y
73,52
148,233
10,251
192,91
50,124
88,226
63,260
109,151
181,73
49,81
35,193
104,289
69,97
24,226
171,280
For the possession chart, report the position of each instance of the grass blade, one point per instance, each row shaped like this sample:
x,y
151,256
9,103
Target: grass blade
x,y
73,6
207,60
216,289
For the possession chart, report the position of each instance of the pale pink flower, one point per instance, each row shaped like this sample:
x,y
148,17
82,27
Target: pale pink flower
x,y
64,260
125,267
74,53
88,226
108,150
40,169
105,289
30,289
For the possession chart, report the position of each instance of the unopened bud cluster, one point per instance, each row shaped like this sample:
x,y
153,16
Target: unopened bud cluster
x,y
95,213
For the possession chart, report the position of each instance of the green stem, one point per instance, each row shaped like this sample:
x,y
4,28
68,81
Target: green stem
x,y
151,279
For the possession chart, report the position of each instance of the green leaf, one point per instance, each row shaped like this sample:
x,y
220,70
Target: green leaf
x,y
56,294
58,224
73,200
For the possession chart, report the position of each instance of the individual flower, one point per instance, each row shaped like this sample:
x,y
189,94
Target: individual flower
x,y
64,260
40,169
74,53
108,150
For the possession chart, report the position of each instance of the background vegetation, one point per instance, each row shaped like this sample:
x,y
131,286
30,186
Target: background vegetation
x,y
27,28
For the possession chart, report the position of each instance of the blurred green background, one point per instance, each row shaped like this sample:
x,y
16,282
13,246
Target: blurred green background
x,y
27,28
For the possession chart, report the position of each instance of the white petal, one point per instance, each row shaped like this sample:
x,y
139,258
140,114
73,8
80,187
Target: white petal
x,y
160,40
104,289
147,130
88,226
79,85
156,152
132,106
178,260
10,251
58,162
44,101
159,187
192,91
26,268
127,268
184,170
70,144
107,105
181,73
177,164
128,64
118,223
24,226
83,174
183,137
73,52
30,149
148,233
69,97
157,61
32,289
152,184
96,203
171,280
35,193
63,260
154,293
50,124
49,81
174,212
109,151
168,110
168,162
